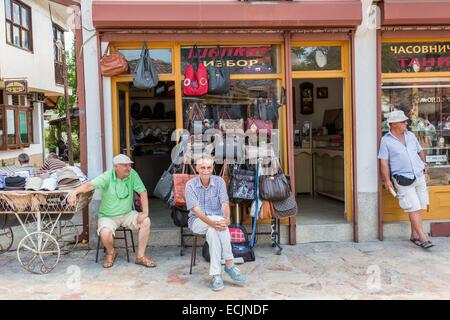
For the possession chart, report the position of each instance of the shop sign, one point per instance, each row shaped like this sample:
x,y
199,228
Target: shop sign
x,y
240,59
416,57
16,87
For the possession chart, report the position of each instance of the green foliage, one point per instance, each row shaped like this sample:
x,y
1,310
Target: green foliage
x,y
51,139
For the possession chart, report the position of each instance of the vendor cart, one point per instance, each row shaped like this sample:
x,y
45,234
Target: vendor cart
x,y
41,215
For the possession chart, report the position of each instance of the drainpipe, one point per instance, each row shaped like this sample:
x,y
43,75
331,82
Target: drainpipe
x,y
354,147
379,196
102,106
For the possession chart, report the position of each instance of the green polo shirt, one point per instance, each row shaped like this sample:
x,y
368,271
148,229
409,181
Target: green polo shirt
x,y
117,194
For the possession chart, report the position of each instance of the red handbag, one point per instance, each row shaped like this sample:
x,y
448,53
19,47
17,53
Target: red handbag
x,y
179,186
259,126
195,81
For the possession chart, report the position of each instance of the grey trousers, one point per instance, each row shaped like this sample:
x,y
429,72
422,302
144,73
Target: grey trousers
x,y
219,244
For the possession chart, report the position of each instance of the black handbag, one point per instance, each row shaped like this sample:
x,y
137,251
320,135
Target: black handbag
x,y
164,185
286,207
180,217
242,184
218,76
145,75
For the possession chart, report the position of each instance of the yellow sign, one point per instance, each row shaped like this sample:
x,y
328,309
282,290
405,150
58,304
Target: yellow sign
x,y
16,87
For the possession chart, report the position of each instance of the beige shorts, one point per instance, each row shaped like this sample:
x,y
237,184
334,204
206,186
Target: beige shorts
x,y
414,197
128,220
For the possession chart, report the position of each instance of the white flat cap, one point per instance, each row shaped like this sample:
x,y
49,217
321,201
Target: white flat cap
x,y
121,159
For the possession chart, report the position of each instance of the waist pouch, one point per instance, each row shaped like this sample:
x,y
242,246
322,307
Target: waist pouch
x,y
404,181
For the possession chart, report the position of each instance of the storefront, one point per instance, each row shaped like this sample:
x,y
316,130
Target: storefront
x,y
268,58
415,78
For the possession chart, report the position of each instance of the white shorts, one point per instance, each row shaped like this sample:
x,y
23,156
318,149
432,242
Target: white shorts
x,y
414,197
128,221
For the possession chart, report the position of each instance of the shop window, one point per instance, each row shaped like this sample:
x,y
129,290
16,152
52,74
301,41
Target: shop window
x,y
312,58
16,127
245,59
428,107
18,24
243,104
162,58
414,57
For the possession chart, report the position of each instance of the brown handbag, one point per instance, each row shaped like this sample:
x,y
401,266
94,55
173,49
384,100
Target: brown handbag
x,y
225,175
267,210
179,186
113,64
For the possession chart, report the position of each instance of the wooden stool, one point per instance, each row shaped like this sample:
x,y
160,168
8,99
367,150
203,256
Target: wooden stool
x,y
194,249
124,237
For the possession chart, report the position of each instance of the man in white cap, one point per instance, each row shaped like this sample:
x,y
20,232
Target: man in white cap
x,y
402,157
116,209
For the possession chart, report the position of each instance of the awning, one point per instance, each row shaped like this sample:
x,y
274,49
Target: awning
x,y
108,14
427,12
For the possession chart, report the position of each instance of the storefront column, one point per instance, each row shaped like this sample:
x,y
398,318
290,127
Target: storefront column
x,y
290,128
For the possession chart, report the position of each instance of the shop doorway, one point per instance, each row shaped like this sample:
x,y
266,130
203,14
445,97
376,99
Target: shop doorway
x,y
319,152
146,122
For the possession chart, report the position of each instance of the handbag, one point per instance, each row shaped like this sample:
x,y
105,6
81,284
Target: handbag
x,y
179,186
198,122
260,126
225,175
195,78
180,217
164,184
242,184
285,208
145,75
230,149
274,187
113,64
229,125
218,76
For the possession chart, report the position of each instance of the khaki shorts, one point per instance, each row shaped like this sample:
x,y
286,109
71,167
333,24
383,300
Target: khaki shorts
x,y
414,197
128,221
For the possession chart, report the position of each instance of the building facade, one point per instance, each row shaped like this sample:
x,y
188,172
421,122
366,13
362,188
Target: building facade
x,y
31,74
325,57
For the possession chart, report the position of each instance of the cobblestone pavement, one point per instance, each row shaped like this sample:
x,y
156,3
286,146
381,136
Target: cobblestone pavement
x,y
368,270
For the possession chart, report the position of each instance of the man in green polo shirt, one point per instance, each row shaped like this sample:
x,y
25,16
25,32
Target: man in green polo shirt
x,y
116,209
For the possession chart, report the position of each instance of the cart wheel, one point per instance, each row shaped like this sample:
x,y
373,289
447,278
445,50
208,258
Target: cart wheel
x,y
38,252
66,233
6,239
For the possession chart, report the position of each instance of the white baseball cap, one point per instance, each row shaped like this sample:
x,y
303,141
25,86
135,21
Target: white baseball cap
x,y
396,116
121,159
49,184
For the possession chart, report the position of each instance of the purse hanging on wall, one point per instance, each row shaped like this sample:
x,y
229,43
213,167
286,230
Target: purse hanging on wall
x,y
218,76
195,78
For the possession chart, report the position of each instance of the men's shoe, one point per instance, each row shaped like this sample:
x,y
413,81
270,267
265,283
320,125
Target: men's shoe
x,y
217,283
235,274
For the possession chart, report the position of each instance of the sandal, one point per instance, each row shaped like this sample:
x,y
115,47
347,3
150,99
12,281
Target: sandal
x,y
426,244
109,259
146,262
416,241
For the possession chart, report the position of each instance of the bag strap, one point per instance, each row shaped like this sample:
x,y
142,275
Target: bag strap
x,y
225,113
107,48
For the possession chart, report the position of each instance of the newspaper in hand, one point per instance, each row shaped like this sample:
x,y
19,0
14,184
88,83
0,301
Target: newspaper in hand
x,y
392,191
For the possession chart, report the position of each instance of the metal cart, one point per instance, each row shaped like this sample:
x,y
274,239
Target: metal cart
x,y
45,218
